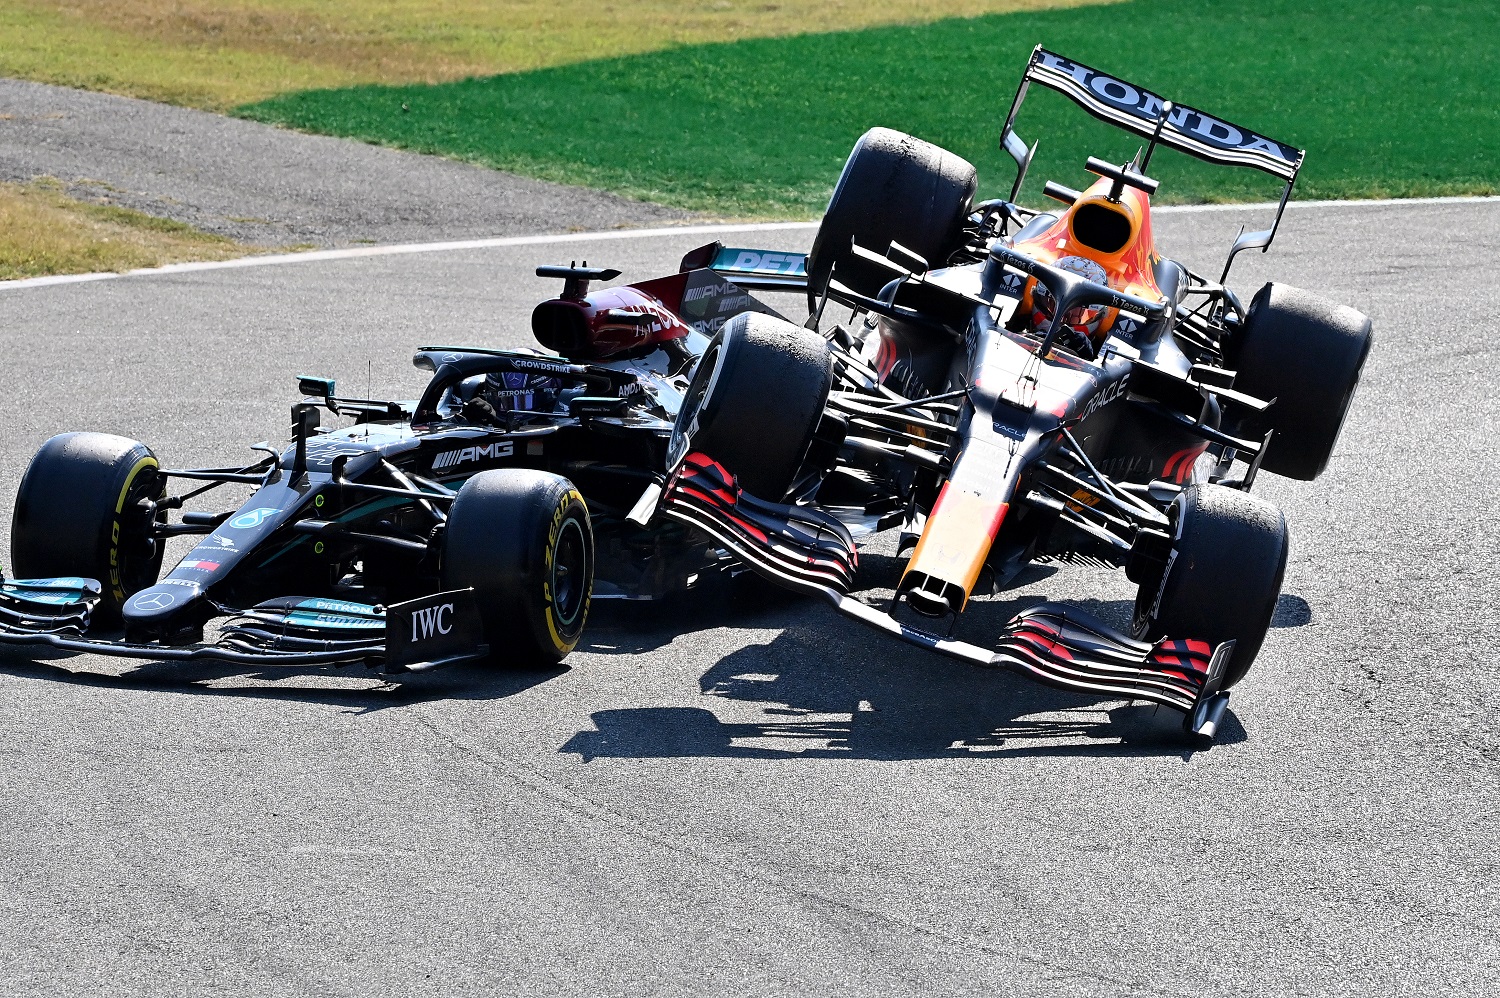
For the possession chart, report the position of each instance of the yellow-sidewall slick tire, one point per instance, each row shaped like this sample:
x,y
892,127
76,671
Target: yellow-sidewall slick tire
x,y
78,514
523,541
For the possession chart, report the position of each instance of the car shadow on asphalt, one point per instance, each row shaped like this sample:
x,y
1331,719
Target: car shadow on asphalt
x,y
627,627
822,691
820,664
827,687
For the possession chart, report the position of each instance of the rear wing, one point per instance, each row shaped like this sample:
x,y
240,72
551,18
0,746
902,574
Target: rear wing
x,y
1141,112
1138,110
751,269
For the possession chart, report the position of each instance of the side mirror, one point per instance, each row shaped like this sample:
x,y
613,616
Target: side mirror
x,y
1246,241
318,388
575,278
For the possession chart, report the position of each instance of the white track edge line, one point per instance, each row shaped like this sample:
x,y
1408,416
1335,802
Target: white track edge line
x,y
399,249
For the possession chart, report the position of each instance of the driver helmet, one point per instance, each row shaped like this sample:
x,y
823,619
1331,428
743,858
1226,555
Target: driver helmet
x,y
1086,321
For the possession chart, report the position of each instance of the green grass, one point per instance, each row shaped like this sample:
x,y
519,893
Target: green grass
x,y
1389,98
217,54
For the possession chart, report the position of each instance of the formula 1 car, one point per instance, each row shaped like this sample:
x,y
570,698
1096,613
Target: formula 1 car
x,y
473,524
1020,386
1013,386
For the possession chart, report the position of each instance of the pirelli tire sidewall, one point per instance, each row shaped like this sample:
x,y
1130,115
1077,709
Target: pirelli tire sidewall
x,y
78,513
523,541
567,580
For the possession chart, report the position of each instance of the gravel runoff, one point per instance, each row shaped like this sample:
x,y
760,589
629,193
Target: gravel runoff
x,y
272,187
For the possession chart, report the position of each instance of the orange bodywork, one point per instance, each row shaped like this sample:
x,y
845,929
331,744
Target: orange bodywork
x,y
1131,269
957,539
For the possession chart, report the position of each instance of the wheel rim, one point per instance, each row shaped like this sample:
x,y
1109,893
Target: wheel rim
x,y
569,573
140,553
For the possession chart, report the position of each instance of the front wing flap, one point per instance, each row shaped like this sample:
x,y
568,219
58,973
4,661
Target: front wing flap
x,y
798,547
47,606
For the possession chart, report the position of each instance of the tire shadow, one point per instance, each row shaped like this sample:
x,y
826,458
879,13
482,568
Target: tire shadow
x,y
1291,611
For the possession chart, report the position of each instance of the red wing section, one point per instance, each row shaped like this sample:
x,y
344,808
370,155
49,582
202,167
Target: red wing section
x,y
1062,646
799,547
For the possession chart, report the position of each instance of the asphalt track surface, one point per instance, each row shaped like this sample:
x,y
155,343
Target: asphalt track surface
x,y
725,795
271,187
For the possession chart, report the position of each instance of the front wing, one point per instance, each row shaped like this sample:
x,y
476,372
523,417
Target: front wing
x,y
414,636
807,550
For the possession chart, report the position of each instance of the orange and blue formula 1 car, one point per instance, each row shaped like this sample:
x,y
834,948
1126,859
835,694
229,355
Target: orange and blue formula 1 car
x,y
1017,386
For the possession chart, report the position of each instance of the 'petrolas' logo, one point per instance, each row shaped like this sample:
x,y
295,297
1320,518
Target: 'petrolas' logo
x,y
786,264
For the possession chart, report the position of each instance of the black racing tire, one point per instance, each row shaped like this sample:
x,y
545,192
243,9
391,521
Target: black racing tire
x,y
1223,576
1306,353
522,539
755,401
894,188
78,513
